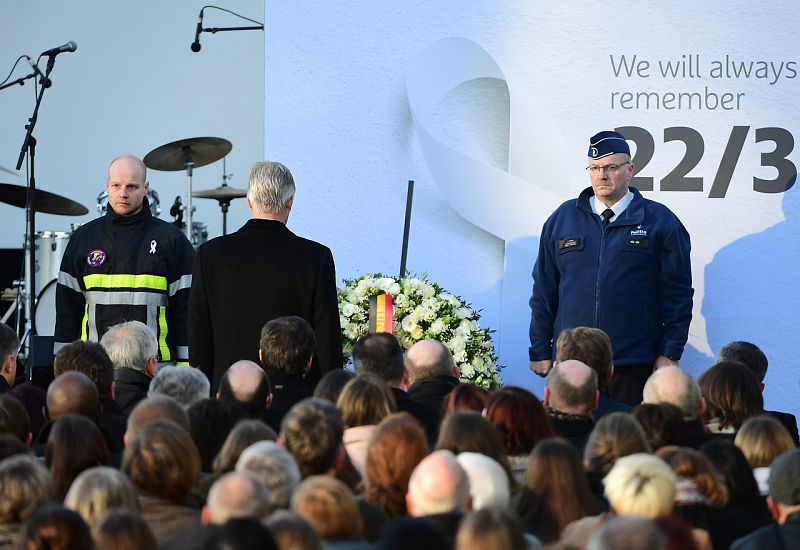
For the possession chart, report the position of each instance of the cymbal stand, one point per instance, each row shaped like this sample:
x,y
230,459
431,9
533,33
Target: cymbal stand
x,y
224,204
189,168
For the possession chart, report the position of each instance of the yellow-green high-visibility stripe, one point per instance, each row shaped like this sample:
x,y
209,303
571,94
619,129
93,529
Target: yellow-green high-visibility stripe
x,y
100,280
162,334
85,323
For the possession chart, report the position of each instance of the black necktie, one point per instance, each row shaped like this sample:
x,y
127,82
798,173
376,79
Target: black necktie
x,y
607,215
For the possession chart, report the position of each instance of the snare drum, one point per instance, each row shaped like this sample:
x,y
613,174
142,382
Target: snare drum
x,y
152,199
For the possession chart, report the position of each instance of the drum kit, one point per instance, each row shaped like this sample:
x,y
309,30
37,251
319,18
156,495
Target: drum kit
x,y
49,246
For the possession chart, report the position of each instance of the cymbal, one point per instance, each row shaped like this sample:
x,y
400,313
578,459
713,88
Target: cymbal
x,y
201,150
46,202
221,193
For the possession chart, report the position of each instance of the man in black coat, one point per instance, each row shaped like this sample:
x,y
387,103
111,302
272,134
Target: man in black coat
x,y
432,372
133,349
263,271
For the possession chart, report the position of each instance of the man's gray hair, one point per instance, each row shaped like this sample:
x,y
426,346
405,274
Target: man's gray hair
x,y
270,188
428,365
130,345
184,384
273,465
675,386
628,533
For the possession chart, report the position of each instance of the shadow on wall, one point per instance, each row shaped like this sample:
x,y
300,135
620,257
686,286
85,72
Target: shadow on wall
x,y
752,294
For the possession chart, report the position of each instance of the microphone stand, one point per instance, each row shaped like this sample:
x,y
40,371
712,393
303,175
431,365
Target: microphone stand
x,y
29,147
214,30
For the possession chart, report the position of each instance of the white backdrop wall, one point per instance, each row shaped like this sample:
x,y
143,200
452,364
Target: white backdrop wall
x,y
488,106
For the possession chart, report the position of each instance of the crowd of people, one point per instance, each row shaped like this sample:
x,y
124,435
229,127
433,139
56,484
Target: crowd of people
x,y
396,453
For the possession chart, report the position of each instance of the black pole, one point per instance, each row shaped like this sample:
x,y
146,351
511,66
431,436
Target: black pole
x,y
406,228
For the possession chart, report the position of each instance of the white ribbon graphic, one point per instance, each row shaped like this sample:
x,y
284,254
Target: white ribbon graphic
x,y
153,246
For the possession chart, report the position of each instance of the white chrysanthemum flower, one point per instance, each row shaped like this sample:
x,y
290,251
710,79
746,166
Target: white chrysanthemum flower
x,y
417,332
467,370
437,327
478,362
460,356
408,323
428,291
394,288
463,312
348,310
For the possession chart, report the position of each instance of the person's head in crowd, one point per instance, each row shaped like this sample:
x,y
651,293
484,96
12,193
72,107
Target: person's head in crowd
x,y
275,467
640,484
9,343
590,346
490,529
98,490
762,439
628,533
662,423
472,432
676,386
162,461
416,533
614,436
89,358
730,462
240,534
465,397
438,485
428,359
123,529
54,527
270,189
236,495
247,384
380,353
365,401
732,393
332,383
287,345
132,345
158,407
12,446
784,486
488,482
291,531
244,434
73,393
397,445
689,464
312,431
571,388
678,533
184,384
519,418
749,355
14,419
75,444
211,421
330,507
25,486
555,480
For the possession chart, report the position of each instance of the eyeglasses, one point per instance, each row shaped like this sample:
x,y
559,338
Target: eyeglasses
x,y
612,169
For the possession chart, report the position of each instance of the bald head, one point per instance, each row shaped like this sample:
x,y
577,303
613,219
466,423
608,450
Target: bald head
x,y
246,383
157,407
73,392
675,386
429,358
126,185
236,495
133,167
571,388
438,485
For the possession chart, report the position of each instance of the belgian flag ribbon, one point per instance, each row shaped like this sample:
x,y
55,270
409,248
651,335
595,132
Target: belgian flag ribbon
x,y
381,313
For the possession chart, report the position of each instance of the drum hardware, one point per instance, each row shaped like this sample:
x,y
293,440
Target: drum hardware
x,y
187,154
223,194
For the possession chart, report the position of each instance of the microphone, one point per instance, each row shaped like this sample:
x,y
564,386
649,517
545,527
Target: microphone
x,y
196,44
68,47
43,80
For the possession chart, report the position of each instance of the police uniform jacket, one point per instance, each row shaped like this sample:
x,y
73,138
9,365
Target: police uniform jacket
x,y
632,279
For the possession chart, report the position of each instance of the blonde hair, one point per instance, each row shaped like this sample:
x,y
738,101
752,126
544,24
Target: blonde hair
x,y
329,506
762,439
640,485
100,489
365,401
